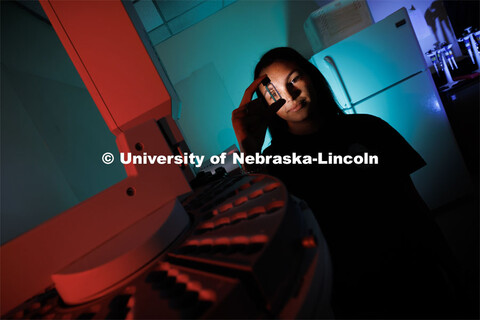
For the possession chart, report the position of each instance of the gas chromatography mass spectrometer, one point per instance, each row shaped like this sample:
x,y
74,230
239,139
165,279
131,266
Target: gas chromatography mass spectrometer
x,y
161,243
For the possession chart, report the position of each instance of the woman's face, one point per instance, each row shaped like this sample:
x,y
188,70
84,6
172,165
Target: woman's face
x,y
294,86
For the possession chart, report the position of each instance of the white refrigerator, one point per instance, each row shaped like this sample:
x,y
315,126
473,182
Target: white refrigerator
x,y
381,70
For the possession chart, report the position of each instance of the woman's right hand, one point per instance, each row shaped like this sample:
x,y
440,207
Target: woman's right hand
x,y
250,119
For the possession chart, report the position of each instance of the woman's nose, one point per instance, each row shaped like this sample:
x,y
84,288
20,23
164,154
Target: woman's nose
x,y
291,92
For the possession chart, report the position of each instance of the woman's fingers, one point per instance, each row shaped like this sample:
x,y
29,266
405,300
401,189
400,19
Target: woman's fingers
x,y
251,118
247,96
256,111
274,107
252,108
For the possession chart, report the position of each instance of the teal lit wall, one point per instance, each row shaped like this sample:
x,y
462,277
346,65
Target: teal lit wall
x,y
211,63
52,134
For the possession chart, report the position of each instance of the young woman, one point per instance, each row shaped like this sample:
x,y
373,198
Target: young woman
x,y
385,247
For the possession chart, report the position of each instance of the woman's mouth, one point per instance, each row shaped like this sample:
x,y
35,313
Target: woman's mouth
x,y
297,106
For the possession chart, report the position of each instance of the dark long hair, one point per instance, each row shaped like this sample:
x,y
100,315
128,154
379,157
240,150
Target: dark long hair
x,y
328,105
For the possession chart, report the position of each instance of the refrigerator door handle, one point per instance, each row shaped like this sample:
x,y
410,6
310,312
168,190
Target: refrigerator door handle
x,y
333,68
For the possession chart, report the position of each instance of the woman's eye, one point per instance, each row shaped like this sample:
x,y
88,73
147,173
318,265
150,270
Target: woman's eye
x,y
269,96
272,92
295,79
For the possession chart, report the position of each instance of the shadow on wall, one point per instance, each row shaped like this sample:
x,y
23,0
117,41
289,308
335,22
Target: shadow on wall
x,y
463,14
435,12
297,13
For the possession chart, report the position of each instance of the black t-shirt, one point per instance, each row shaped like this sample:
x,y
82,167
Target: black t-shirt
x,y
384,245
364,211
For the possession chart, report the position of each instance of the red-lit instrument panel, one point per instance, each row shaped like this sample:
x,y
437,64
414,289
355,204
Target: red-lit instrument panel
x,y
251,251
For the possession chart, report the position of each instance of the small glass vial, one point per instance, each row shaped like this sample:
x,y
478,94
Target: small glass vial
x,y
271,89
